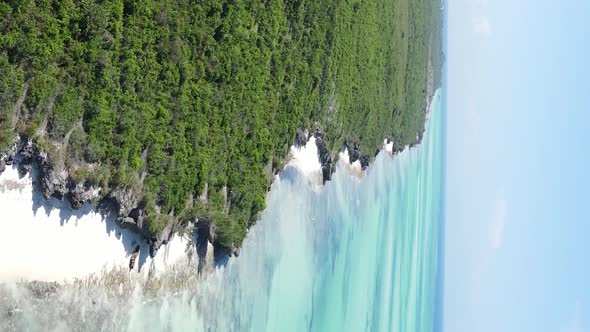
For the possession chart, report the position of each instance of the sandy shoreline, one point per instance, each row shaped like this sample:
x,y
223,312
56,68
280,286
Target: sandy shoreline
x,y
48,241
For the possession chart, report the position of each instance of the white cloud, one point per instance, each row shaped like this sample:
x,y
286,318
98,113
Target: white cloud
x,y
574,323
498,221
481,26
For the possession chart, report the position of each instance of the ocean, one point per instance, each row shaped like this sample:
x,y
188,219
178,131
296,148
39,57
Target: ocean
x,y
359,254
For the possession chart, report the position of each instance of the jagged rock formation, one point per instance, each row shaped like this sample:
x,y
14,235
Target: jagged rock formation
x,y
55,181
328,166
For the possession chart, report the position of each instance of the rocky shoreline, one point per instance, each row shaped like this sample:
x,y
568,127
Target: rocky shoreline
x,y
56,180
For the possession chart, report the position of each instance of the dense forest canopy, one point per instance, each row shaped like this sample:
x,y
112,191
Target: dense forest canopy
x,y
174,98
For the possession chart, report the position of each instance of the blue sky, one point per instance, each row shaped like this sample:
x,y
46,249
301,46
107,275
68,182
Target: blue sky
x,y
518,166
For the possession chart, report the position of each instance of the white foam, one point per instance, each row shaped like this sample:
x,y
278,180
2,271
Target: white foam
x,y
51,242
175,251
354,168
306,160
388,145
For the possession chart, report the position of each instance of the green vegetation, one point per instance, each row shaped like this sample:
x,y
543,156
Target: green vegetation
x,y
210,91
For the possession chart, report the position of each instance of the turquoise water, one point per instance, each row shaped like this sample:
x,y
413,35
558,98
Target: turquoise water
x,y
358,254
